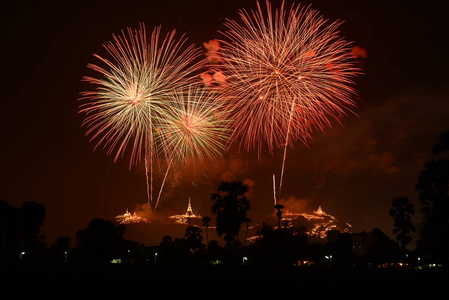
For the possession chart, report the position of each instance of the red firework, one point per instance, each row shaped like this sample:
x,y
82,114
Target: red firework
x,y
288,72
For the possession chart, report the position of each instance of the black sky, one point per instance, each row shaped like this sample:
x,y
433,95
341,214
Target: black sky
x,y
353,171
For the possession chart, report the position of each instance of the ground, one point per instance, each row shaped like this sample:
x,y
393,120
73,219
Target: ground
x,y
241,282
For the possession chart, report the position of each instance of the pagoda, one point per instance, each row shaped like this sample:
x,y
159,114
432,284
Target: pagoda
x,y
187,217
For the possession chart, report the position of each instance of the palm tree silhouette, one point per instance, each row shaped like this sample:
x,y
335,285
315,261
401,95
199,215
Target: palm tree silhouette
x,y
230,207
193,237
279,213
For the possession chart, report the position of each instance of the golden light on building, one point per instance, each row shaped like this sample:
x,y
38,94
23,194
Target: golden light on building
x,y
127,218
318,221
187,217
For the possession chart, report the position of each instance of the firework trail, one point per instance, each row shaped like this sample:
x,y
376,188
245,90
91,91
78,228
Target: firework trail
x,y
149,190
274,190
162,185
288,73
133,89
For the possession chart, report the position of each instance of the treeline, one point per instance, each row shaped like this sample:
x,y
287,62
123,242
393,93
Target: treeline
x,y
19,232
431,234
286,246
103,241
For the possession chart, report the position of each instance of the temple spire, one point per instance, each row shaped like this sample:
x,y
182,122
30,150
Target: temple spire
x,y
189,209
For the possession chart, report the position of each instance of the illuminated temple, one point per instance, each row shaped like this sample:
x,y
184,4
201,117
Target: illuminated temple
x,y
185,218
318,223
127,218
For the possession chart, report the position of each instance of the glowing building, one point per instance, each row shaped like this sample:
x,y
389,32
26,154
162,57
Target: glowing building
x,y
127,218
186,218
318,223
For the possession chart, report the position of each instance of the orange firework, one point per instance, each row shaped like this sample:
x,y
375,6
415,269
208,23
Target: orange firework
x,y
286,71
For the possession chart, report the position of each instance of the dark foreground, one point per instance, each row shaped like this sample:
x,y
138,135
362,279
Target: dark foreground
x,y
115,281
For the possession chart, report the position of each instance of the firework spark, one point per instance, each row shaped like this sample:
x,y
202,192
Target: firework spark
x,y
133,91
288,73
194,126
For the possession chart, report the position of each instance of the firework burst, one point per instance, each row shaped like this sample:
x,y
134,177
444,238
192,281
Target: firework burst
x,y
194,126
132,92
288,73
133,89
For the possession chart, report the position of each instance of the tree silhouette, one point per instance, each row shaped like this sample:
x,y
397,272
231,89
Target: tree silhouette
x,y
279,213
443,144
279,246
19,229
59,251
101,242
230,207
401,212
168,250
433,192
32,218
167,241
206,222
194,238
383,249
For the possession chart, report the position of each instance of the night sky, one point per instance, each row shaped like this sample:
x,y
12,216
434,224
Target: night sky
x,y
353,170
